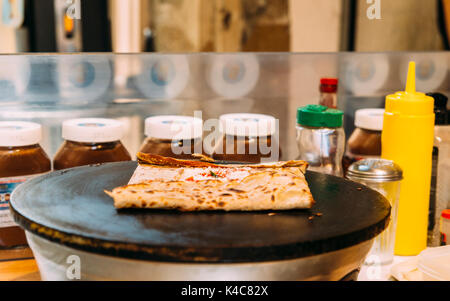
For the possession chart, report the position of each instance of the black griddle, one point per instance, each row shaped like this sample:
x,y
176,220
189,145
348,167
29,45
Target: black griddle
x,y
69,207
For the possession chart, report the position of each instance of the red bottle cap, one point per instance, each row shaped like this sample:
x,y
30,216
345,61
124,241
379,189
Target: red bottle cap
x,y
329,81
328,85
446,214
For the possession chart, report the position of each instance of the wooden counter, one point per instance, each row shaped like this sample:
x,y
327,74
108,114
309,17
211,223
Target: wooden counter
x,y
19,270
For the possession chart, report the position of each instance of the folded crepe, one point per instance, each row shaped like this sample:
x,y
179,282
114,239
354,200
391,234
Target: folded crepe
x,y
186,185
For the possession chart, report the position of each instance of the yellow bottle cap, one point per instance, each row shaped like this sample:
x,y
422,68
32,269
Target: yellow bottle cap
x,y
410,102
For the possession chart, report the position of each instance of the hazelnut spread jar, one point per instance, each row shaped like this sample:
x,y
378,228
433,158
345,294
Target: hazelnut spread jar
x,y
247,138
90,141
365,141
173,136
21,158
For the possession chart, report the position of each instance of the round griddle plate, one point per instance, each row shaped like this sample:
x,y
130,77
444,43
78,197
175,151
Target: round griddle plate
x,y
69,207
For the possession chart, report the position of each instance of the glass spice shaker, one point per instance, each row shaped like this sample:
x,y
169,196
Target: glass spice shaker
x,y
321,138
383,176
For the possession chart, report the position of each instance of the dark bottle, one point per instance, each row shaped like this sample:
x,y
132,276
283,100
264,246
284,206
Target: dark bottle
x,y
438,159
440,108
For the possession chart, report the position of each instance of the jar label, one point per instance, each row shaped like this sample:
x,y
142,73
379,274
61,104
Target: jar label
x,y
7,186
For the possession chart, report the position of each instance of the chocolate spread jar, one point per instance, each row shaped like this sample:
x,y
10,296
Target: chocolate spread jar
x,y
173,136
90,141
21,158
365,141
249,138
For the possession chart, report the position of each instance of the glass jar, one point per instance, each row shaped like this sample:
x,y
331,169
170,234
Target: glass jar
x,y
247,138
321,138
173,136
383,176
90,141
21,158
365,141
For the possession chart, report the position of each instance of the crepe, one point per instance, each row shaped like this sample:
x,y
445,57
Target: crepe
x,y
168,183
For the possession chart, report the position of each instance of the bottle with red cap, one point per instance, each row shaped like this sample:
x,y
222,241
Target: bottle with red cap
x,y
328,90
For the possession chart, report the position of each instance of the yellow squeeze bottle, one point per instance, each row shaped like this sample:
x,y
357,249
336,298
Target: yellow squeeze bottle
x,y
407,139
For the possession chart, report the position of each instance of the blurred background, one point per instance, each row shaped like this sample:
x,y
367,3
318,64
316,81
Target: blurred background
x,y
216,56
132,59
223,25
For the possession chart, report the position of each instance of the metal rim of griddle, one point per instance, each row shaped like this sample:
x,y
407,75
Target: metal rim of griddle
x,y
221,254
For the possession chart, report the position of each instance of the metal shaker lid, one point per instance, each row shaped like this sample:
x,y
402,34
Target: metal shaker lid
x,y
377,170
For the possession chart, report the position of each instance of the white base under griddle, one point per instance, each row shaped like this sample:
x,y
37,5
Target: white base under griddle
x,y
52,259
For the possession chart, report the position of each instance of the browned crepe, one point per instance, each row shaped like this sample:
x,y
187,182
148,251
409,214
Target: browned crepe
x,y
167,183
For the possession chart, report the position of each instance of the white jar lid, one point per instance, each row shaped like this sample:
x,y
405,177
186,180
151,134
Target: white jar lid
x,y
174,127
19,133
248,125
92,130
369,119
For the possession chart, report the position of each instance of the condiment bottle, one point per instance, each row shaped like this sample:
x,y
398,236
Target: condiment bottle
x,y
90,141
21,158
365,141
328,90
407,139
383,176
173,136
440,108
321,138
440,172
249,138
